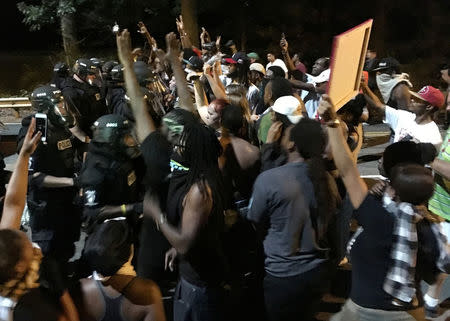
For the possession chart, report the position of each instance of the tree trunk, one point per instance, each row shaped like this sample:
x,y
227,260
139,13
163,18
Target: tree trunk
x,y
378,32
69,38
243,25
189,13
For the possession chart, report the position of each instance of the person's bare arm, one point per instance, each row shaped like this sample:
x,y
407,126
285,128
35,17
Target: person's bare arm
x,y
302,104
372,99
302,85
204,37
200,95
144,122
80,134
342,156
442,167
214,82
402,96
70,312
54,181
173,54
286,57
184,36
16,193
155,311
197,207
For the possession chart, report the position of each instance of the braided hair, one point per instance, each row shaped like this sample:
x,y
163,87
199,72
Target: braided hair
x,y
200,150
310,141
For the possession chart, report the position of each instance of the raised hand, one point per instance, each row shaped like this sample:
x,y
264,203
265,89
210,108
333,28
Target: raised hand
x,y
204,36
180,25
142,28
207,69
218,42
124,47
326,109
284,44
31,140
172,46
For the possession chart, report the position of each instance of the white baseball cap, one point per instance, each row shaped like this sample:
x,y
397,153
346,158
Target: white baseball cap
x,y
290,107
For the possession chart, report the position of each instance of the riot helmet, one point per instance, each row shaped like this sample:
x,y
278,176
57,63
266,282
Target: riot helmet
x,y
116,132
117,73
85,70
97,62
50,101
107,67
61,69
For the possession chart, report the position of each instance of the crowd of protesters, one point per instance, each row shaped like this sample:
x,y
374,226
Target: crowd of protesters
x,y
234,179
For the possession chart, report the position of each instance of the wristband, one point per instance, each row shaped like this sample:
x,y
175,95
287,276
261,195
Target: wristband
x,y
123,208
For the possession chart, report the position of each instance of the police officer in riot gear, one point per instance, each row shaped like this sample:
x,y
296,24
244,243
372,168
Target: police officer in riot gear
x,y
98,81
83,98
112,172
117,93
55,220
60,74
107,81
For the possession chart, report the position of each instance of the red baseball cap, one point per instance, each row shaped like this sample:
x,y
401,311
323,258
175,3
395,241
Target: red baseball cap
x,y
431,95
230,61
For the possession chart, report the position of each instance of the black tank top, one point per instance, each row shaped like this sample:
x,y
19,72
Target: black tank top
x,y
205,263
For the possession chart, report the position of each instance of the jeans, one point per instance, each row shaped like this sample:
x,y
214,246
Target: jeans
x,y
296,297
353,312
195,303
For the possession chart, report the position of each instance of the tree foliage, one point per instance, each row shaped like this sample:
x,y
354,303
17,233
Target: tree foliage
x,y
47,11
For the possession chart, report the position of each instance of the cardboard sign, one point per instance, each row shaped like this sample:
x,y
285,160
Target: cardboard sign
x,y
347,62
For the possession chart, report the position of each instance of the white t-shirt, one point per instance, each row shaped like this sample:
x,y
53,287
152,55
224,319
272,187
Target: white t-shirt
x,y
279,63
404,126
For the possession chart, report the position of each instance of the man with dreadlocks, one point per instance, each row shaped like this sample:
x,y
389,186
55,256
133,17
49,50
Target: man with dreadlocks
x,y
194,223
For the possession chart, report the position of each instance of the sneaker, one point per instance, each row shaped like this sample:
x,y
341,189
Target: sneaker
x,y
431,312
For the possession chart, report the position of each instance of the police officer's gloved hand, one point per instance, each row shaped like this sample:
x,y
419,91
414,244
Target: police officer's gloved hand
x,y
37,179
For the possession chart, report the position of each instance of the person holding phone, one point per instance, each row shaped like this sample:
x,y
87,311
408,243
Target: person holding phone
x,y
55,220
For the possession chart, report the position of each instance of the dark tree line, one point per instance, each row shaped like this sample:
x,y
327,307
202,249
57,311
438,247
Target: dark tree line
x,y
406,29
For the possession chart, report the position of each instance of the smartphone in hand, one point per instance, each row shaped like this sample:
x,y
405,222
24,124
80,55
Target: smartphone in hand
x,y
41,125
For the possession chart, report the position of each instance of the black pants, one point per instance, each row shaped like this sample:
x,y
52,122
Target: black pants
x,y
294,298
194,303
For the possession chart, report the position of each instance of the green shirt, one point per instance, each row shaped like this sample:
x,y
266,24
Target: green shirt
x,y
264,126
440,202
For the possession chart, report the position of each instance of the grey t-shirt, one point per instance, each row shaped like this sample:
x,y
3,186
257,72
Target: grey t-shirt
x,y
281,205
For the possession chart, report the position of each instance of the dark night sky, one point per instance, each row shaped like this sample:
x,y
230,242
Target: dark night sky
x,y
416,31
16,36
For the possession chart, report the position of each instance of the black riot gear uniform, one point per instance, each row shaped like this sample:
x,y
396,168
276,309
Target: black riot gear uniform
x,y
55,220
60,74
113,171
49,100
85,101
118,100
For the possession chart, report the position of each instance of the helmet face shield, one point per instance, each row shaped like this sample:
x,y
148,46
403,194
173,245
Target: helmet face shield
x,y
62,116
131,145
49,100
